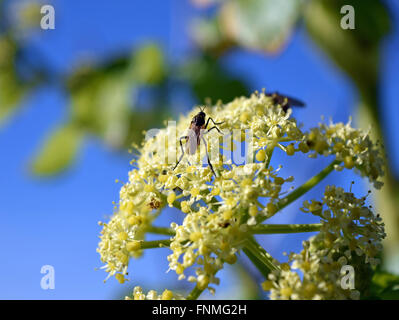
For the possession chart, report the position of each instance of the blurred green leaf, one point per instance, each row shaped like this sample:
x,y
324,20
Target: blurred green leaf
x,y
209,79
11,94
148,65
385,286
209,36
102,107
143,120
260,24
11,89
58,151
355,51
103,98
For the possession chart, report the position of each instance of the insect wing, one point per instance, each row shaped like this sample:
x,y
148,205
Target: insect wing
x,y
294,102
191,145
282,98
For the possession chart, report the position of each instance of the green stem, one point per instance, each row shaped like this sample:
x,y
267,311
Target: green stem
x,y
386,199
257,263
284,228
269,153
194,294
297,193
262,260
300,191
161,230
154,244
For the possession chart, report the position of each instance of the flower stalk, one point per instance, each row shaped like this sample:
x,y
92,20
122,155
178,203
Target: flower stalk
x,y
161,230
195,293
262,260
154,244
284,228
300,191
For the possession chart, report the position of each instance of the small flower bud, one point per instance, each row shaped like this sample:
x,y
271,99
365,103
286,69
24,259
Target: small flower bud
x,y
171,198
120,277
348,162
290,149
261,155
167,295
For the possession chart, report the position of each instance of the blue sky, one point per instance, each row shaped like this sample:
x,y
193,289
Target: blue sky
x,y
54,221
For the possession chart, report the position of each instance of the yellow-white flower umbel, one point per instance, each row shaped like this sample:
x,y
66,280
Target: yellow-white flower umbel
x,y
350,235
351,146
221,212
138,294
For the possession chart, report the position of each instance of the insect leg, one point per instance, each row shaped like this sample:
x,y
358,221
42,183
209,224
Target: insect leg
x,y
207,155
182,151
214,128
215,123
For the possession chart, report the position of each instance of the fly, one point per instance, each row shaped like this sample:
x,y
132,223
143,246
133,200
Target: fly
x,y
193,140
286,102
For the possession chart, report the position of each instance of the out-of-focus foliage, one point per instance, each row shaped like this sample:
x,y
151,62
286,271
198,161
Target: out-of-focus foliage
x,y
52,158
103,103
355,51
252,24
385,286
208,79
103,98
148,65
12,89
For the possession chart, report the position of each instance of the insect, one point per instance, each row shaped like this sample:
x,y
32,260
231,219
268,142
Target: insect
x,y
224,224
286,102
154,204
193,139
